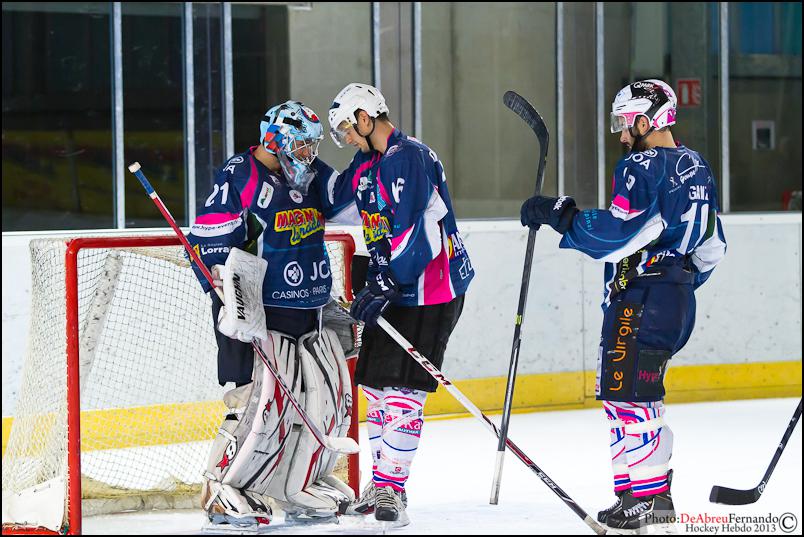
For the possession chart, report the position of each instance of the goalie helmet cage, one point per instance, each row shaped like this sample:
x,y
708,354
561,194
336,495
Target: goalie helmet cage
x,y
119,399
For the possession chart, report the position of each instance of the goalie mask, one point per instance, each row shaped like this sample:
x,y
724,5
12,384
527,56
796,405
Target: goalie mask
x,y
292,132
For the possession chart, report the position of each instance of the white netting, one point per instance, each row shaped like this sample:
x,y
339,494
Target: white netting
x,y
150,400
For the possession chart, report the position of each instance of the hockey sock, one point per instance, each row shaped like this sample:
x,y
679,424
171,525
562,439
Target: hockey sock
x,y
374,420
649,445
404,416
619,463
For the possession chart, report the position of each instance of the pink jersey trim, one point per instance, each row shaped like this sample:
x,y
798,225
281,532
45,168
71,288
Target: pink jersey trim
x,y
622,203
437,288
400,239
247,196
216,218
360,169
383,193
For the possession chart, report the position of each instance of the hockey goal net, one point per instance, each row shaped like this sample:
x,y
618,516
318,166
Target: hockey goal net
x,y
119,400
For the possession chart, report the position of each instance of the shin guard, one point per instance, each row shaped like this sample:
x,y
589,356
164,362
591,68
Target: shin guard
x,y
649,445
403,418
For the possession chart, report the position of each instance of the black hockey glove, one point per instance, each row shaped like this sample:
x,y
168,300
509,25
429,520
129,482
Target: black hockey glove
x,y
381,289
555,212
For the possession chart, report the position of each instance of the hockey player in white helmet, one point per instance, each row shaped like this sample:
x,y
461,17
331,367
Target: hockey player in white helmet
x,y
418,272
265,217
661,238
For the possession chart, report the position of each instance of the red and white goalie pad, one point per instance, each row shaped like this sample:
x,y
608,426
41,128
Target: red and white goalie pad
x,y
254,435
304,483
263,448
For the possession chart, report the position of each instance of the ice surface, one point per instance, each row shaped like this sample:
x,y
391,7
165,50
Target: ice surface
x,y
724,443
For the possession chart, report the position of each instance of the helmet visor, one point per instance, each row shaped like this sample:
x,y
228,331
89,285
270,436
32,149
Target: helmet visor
x,y
623,120
340,132
618,123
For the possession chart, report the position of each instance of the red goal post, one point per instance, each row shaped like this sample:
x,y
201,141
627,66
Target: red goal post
x,y
112,327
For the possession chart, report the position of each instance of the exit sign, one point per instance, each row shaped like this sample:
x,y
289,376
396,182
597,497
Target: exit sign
x,y
688,91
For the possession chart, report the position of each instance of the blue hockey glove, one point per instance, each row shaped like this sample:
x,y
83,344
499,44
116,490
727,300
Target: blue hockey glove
x,y
381,289
555,212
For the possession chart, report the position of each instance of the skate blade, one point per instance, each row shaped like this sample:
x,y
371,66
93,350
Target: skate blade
x,y
230,529
304,520
388,525
352,512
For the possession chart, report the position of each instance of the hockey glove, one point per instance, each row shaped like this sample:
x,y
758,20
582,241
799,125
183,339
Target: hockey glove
x,y
381,289
242,316
558,213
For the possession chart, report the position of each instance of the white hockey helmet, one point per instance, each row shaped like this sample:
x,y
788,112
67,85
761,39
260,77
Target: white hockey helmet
x,y
354,97
652,98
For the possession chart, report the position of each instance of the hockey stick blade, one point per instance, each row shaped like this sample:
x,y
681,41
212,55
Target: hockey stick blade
x,y
729,496
521,107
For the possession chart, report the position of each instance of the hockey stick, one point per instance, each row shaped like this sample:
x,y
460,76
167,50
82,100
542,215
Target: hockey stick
x,y
521,107
476,412
743,497
343,445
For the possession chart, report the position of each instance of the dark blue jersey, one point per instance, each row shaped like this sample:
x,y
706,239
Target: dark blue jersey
x,y
408,222
254,209
662,222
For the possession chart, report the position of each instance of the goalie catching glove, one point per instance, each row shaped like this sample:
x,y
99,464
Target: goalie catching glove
x,y
381,289
242,316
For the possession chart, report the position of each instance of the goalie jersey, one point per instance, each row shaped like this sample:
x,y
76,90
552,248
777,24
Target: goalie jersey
x,y
254,209
662,222
408,222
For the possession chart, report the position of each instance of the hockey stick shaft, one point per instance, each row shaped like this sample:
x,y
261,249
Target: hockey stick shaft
x,y
338,444
476,412
729,496
521,107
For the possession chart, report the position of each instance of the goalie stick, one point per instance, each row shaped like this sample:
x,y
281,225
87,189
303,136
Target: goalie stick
x,y
343,445
521,107
476,412
729,496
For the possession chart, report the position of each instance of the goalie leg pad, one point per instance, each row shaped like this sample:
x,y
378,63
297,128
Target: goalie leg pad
x,y
327,399
404,416
251,441
648,443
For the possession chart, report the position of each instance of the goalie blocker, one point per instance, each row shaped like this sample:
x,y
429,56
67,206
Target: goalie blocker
x,y
262,450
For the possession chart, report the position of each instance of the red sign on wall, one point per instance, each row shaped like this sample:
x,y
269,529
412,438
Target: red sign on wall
x,y
688,91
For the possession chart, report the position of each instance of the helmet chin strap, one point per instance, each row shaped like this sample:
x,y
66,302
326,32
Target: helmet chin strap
x,y
368,136
638,138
